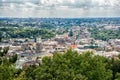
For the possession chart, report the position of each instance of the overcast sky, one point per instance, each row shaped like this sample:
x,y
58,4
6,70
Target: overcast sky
x,y
60,8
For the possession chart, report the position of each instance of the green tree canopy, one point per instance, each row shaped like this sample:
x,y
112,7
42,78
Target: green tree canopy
x,y
72,66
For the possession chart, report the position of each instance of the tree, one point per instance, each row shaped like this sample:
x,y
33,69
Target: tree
x,y
72,66
6,73
115,67
0,39
13,58
5,50
70,33
21,76
66,66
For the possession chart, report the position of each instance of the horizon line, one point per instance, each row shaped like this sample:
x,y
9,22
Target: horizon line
x,y
65,17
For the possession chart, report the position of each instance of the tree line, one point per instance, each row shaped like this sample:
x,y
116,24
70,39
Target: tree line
x,y
68,66
103,34
25,33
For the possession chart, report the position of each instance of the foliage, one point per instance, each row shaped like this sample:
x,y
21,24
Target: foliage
x,y
6,72
25,32
71,33
3,51
0,38
73,66
104,34
68,66
13,58
46,25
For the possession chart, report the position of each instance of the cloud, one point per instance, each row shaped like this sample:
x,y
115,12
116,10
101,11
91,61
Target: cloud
x,y
59,3
50,7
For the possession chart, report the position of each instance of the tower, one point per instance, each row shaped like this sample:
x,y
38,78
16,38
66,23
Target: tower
x,y
38,47
38,44
38,40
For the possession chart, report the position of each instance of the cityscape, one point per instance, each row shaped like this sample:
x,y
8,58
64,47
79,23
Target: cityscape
x,y
37,42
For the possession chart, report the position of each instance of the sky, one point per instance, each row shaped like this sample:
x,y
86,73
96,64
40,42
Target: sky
x,y
60,8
